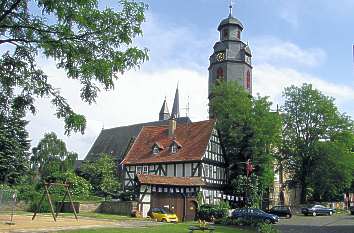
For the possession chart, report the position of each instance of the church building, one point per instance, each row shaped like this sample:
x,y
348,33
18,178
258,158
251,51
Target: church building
x,y
173,162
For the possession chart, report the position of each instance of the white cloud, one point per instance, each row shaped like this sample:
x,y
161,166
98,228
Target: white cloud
x,y
137,98
271,81
285,53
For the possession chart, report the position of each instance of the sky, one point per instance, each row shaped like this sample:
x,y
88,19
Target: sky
x,y
292,41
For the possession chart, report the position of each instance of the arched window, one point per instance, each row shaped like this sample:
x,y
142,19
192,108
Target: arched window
x,y
225,33
248,80
220,74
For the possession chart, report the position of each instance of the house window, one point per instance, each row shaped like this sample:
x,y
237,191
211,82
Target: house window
x,y
174,148
155,150
145,169
139,169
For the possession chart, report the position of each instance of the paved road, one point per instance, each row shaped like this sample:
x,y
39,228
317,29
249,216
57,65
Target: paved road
x,y
318,224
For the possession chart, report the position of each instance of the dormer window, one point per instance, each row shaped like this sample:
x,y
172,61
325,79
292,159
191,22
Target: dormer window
x,y
156,148
175,145
174,148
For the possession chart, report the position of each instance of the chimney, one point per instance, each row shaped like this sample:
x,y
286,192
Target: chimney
x,y
172,124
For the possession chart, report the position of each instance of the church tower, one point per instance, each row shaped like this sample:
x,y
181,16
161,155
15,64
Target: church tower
x,y
231,59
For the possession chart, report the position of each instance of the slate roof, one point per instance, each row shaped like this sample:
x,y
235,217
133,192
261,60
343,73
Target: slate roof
x,y
192,137
166,180
164,109
116,140
230,20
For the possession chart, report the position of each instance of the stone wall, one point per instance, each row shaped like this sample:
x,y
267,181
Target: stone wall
x,y
117,207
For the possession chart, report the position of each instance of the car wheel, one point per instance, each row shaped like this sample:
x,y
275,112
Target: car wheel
x,y
314,214
267,221
288,216
330,213
164,220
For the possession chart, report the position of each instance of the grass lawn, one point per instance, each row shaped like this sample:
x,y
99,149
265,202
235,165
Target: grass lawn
x,y
99,216
167,227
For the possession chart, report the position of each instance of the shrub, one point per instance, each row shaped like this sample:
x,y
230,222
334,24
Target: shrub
x,y
79,187
126,196
209,212
27,193
45,207
267,228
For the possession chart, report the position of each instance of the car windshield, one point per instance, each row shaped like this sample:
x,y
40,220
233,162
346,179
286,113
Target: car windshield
x,y
259,211
166,211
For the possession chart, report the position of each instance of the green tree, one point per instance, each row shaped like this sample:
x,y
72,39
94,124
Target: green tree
x,y
309,118
332,173
14,143
14,146
102,175
248,130
50,159
93,46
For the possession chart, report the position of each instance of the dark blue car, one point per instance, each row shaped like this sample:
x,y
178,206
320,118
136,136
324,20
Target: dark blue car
x,y
254,214
317,210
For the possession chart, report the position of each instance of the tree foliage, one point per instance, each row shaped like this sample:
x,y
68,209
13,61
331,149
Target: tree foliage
x,y
50,159
316,137
248,130
93,46
102,175
14,143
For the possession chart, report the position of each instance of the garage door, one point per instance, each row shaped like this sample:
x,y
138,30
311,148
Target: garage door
x,y
175,203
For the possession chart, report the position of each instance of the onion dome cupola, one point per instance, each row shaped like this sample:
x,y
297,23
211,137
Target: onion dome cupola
x,y
230,29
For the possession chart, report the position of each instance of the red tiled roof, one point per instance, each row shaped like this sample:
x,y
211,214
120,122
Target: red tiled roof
x,y
193,138
166,180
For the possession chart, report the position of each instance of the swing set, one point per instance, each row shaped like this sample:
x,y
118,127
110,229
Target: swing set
x,y
47,187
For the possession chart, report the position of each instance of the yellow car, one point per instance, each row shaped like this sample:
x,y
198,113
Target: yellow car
x,y
162,215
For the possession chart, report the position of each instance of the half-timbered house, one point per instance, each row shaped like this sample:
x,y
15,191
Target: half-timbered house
x,y
169,165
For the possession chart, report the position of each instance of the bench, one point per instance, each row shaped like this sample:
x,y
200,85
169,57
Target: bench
x,y
198,228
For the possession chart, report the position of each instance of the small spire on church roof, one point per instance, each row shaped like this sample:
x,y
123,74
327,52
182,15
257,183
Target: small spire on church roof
x,y
164,112
175,108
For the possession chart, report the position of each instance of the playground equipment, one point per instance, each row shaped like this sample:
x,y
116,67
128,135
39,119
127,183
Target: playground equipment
x,y
47,187
8,200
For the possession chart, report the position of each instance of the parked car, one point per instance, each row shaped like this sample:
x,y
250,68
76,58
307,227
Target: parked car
x,y
351,209
281,211
162,215
253,214
317,210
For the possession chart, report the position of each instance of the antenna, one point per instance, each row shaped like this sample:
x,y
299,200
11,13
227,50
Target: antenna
x,y
187,108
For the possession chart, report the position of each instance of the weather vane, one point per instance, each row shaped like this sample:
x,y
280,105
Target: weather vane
x,y
231,5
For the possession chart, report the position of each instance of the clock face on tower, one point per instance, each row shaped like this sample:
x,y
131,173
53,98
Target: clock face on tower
x,y
220,56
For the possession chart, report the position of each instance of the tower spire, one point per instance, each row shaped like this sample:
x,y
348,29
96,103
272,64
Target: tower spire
x,y
230,7
175,108
164,112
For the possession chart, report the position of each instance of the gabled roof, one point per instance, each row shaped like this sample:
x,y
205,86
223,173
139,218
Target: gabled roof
x,y
173,181
116,141
193,137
